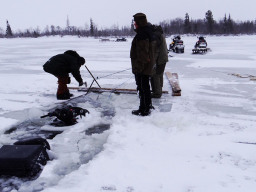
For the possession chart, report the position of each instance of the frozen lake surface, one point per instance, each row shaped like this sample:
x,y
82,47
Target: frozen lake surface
x,y
204,141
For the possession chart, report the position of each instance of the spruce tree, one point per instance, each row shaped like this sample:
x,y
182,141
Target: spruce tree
x,y
187,24
132,28
91,27
68,26
209,21
230,24
225,25
8,30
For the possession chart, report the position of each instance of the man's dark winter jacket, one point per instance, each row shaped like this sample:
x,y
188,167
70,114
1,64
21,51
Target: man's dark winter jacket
x,y
143,51
62,65
161,51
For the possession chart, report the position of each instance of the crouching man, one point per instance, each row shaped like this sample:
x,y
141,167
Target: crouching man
x,y
60,66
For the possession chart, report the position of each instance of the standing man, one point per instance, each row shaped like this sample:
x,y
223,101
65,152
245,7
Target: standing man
x,y
161,60
143,59
60,66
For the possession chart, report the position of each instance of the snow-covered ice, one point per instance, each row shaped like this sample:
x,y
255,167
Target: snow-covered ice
x,y
204,142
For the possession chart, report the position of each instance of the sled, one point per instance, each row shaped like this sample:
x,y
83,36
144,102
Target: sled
x,y
252,77
111,90
174,82
199,50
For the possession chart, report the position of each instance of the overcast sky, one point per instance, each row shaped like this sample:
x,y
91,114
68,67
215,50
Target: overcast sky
x,y
23,14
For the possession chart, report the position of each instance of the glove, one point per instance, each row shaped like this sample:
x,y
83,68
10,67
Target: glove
x,y
80,83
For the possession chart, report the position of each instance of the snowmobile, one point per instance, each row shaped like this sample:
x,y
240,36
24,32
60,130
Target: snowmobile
x,y
177,45
200,46
121,39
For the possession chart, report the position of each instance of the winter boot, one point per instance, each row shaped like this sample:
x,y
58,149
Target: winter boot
x,y
143,112
63,92
63,96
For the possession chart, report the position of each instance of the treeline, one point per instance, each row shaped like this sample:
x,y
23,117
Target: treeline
x,y
52,30
186,25
208,25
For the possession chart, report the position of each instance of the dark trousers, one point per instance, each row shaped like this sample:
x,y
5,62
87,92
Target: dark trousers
x,y
143,87
157,79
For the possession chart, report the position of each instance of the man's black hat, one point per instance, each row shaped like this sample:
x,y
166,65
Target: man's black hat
x,y
139,16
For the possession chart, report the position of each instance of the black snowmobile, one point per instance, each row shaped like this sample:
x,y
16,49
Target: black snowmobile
x,y
177,45
121,39
200,46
